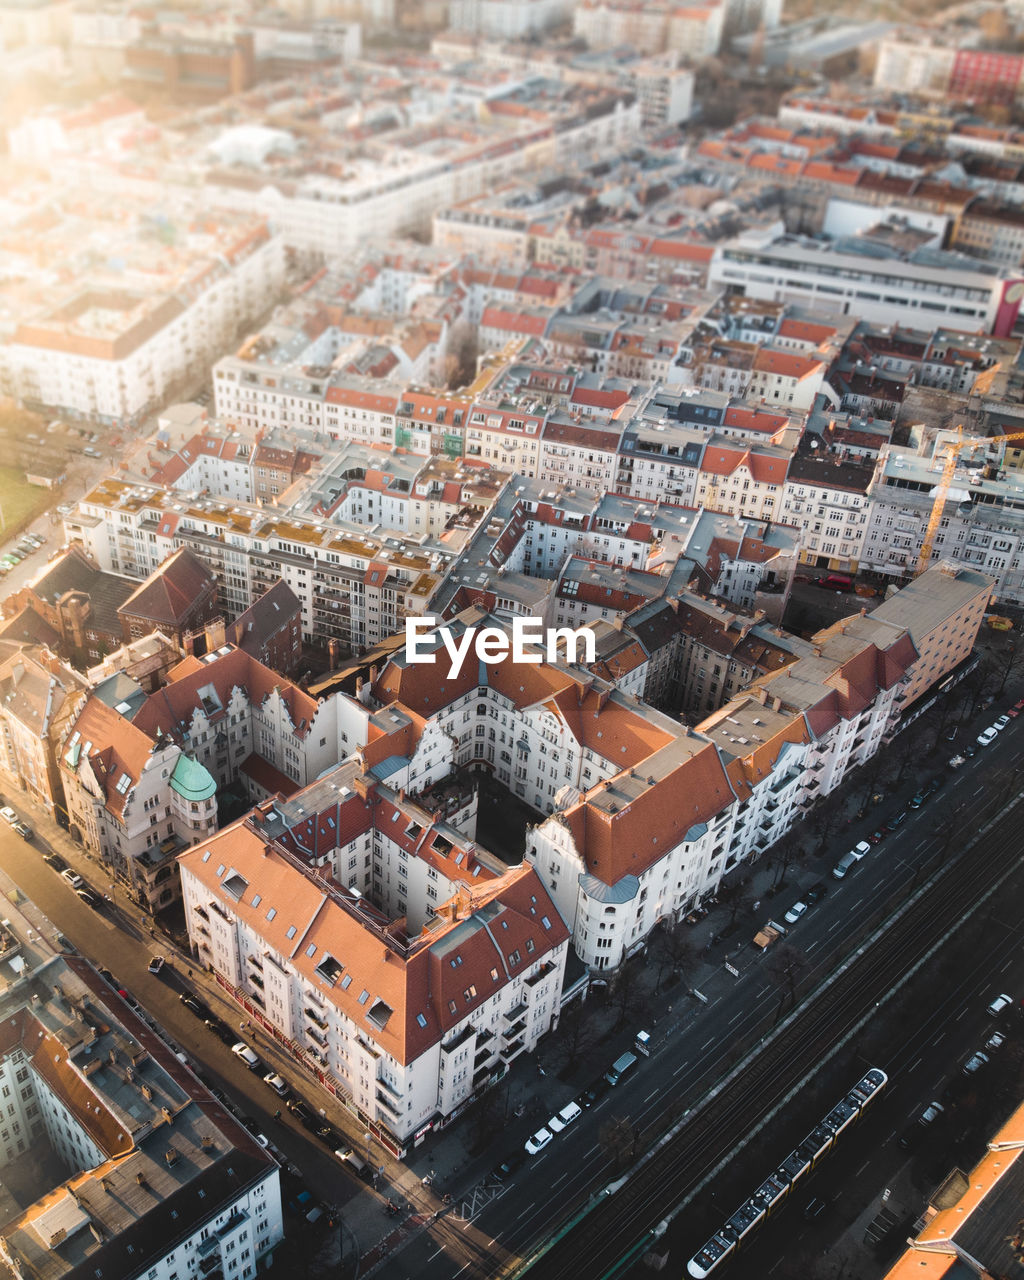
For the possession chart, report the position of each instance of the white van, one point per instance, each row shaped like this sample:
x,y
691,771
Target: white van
x,y
570,1112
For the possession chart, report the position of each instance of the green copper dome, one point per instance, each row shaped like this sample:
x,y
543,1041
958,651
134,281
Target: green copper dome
x,y
191,780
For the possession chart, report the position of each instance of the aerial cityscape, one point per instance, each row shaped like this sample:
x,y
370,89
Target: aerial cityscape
x,y
511,690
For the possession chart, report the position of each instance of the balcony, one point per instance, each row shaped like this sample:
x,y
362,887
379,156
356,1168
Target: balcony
x,y
389,1089
315,1017
391,1107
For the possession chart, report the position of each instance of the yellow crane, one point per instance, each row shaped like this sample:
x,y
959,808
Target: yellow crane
x,y
953,450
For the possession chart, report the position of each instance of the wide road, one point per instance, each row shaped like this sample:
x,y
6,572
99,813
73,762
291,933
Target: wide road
x,y
489,1231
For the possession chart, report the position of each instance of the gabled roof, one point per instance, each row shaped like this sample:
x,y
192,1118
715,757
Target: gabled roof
x,y
169,595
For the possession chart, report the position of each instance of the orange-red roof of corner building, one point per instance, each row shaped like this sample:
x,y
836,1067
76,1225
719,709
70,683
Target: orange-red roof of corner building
x,y
418,990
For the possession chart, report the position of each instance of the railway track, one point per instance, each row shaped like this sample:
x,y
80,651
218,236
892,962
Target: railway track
x,y
615,1226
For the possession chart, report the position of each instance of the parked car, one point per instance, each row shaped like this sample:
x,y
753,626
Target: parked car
x,y
8,815
156,963
974,1063
999,1005
995,1041
56,861
896,821
503,1171
279,1086
72,878
248,1056
301,1113
956,761
816,892
194,1005
876,837
537,1141
593,1093
795,912
987,736
917,801
1000,723
90,899
936,784
24,830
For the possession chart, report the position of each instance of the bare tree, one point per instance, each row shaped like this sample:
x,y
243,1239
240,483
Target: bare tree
x,y
676,952
786,854
786,966
625,995
617,1140
1006,661
736,897
577,1029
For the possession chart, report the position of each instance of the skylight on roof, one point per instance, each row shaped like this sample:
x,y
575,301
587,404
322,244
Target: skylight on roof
x,y
257,898
329,969
271,913
124,782
311,950
291,931
235,885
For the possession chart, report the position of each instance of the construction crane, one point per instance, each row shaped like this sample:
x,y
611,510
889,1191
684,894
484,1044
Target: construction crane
x,y
953,450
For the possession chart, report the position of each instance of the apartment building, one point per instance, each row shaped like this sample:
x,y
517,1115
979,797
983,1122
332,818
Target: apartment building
x,y
943,610
923,66
133,800
416,171
826,498
141,770
112,346
507,19
646,814
742,479
980,526
39,697
691,31
404,966
92,1089
355,587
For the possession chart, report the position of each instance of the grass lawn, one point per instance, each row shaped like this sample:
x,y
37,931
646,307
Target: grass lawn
x,y
20,501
